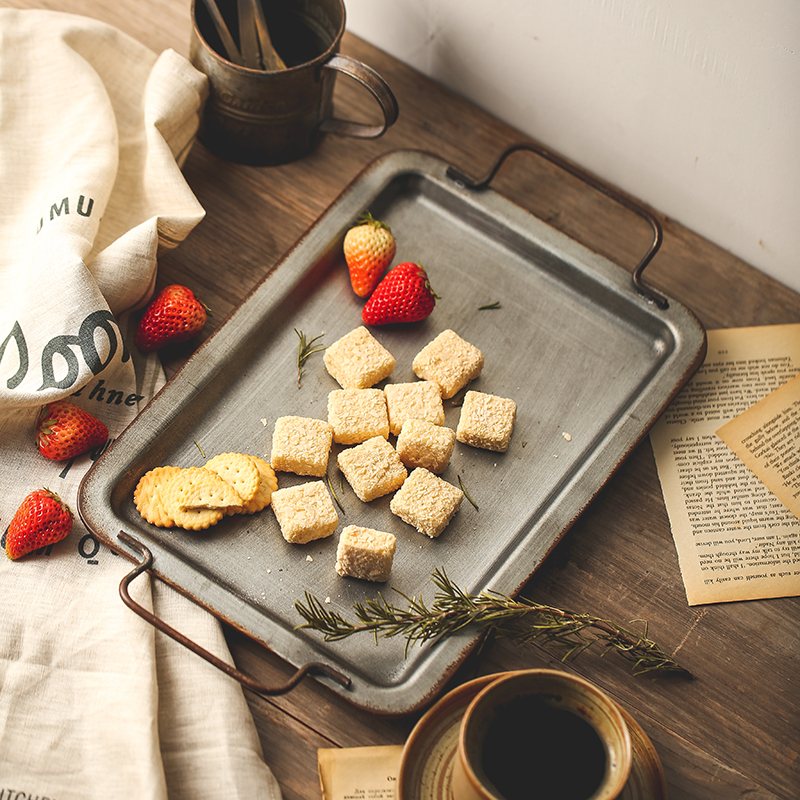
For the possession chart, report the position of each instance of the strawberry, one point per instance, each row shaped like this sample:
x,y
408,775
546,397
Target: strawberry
x,y
64,431
42,519
404,295
175,315
368,249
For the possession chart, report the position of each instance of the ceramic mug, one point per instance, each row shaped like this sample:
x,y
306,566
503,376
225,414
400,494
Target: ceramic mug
x,y
264,117
541,733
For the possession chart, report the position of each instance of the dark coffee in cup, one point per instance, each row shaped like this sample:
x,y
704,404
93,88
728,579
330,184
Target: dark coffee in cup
x,y
532,737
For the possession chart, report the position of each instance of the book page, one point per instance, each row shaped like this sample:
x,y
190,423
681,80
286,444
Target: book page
x,y
735,539
766,438
359,773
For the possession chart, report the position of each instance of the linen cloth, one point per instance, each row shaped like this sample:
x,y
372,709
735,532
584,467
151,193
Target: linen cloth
x,y
94,703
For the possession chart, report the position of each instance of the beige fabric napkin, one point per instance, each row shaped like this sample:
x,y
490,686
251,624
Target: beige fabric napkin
x,y
94,703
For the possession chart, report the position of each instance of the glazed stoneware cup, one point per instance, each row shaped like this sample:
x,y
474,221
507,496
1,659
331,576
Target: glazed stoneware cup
x,y
541,734
262,116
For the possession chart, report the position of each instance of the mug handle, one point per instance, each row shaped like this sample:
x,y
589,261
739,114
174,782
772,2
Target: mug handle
x,y
371,81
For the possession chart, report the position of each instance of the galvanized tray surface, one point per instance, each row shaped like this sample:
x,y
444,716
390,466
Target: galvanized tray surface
x,y
590,363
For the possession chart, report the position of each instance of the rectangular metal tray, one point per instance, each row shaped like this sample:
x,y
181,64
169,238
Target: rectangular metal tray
x,y
590,363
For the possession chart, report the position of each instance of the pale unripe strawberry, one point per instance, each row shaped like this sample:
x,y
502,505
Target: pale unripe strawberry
x,y
369,248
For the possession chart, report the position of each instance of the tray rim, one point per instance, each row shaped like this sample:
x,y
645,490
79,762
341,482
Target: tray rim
x,y
296,652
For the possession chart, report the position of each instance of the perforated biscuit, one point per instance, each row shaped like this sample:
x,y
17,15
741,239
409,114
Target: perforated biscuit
x,y
357,415
305,512
427,502
373,469
486,421
417,400
148,496
200,486
301,445
449,361
358,360
365,553
239,471
267,484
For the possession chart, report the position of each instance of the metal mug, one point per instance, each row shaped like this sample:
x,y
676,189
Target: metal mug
x,y
266,117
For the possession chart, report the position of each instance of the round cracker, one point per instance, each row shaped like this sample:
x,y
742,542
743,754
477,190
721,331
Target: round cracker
x,y
239,471
197,487
149,499
267,485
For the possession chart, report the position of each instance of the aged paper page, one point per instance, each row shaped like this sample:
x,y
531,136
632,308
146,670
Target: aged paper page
x,y
735,539
359,773
767,438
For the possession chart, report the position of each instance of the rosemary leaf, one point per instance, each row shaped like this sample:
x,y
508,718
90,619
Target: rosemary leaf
x,y
521,620
466,494
490,306
306,348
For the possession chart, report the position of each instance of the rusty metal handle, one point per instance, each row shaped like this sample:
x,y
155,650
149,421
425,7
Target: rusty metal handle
x,y
596,183
377,87
312,668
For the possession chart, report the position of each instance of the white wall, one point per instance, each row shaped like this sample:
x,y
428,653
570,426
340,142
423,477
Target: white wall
x,y
691,105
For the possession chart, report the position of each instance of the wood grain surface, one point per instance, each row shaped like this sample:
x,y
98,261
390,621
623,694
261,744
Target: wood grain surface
x,y
733,731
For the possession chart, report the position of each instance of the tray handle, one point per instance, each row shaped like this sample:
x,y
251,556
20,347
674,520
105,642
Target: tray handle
x,y
593,181
311,668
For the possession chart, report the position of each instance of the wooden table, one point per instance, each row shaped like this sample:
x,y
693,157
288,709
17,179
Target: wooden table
x,y
732,731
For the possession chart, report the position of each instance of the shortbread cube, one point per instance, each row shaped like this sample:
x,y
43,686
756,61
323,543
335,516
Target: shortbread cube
x,y
486,421
448,361
301,445
427,502
417,400
305,512
372,469
423,444
358,360
365,553
357,415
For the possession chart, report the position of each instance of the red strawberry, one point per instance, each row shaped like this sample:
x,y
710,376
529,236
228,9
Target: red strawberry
x,y
64,431
404,295
175,315
41,520
368,249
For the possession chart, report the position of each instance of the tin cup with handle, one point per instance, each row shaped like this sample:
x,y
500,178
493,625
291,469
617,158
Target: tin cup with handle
x,y
274,116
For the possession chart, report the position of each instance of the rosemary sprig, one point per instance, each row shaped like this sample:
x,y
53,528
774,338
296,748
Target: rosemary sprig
x,y
522,620
305,348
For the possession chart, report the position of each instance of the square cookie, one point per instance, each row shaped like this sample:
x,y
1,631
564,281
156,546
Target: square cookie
x,y
372,469
449,361
423,444
486,421
357,415
427,502
417,400
358,360
365,553
301,445
305,512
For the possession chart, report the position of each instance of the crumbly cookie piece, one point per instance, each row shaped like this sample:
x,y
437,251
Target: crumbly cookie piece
x,y
239,471
357,415
372,468
358,360
301,445
149,499
305,512
427,502
486,421
417,400
423,444
449,361
365,553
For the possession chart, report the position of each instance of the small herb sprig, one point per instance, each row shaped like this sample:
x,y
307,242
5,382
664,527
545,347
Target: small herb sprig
x,y
522,620
306,348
